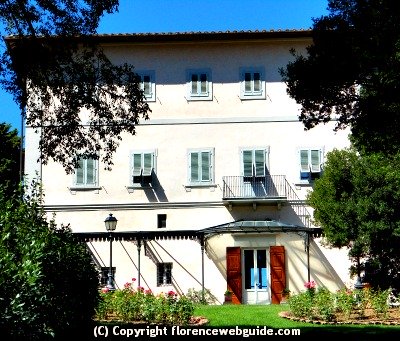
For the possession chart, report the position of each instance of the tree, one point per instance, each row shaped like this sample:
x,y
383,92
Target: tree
x,y
54,65
356,203
9,158
351,72
49,282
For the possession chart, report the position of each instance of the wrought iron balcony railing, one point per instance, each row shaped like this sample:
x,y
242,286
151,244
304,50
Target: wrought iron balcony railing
x,y
244,187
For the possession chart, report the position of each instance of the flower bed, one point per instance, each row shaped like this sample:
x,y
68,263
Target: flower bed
x,y
132,304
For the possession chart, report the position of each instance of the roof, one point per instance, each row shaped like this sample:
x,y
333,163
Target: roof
x,y
189,36
240,226
259,226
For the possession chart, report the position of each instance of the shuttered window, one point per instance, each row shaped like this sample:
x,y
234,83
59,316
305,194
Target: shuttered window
x,y
252,83
199,84
254,162
200,163
86,172
310,163
143,164
147,84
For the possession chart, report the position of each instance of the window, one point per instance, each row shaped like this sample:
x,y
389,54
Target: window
x,y
310,164
199,85
254,162
161,221
252,84
200,167
147,84
142,168
104,275
164,274
86,174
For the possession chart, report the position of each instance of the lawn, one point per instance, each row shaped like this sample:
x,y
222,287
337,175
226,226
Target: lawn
x,y
247,316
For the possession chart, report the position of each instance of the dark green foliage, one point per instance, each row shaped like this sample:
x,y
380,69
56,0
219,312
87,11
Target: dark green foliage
x,y
356,203
49,283
54,66
9,158
352,70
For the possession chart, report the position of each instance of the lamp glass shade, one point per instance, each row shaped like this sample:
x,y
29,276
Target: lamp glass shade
x,y
110,222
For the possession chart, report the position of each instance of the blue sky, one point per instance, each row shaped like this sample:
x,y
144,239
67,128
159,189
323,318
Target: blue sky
x,y
147,16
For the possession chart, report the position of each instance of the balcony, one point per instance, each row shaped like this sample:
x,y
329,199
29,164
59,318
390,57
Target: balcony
x,y
270,189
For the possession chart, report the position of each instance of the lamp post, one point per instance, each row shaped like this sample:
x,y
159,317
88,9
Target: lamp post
x,y
111,225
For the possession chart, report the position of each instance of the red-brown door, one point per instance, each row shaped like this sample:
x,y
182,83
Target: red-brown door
x,y
234,273
278,276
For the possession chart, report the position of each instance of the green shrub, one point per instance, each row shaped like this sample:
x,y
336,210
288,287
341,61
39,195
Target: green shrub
x,y
379,302
324,302
301,305
345,301
49,283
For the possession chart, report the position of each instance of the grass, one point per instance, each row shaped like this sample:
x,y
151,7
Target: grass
x,y
220,316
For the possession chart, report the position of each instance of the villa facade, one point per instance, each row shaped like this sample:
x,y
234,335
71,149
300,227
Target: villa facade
x,y
210,192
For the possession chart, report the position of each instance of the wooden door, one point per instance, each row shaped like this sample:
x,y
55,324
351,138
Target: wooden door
x,y
278,275
234,273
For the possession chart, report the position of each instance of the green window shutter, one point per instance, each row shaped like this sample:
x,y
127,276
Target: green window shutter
x,y
304,164
247,157
203,84
194,84
147,85
194,167
247,82
257,82
79,173
90,172
315,161
147,164
205,166
259,160
137,165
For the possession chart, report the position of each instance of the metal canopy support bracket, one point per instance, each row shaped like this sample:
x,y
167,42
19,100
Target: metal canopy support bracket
x,y
139,246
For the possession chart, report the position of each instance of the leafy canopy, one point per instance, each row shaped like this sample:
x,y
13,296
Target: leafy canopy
x,y
9,158
356,203
77,99
351,72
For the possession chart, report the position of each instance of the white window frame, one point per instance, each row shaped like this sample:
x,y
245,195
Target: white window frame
x,y
252,93
309,170
151,96
84,184
200,181
199,95
254,167
143,173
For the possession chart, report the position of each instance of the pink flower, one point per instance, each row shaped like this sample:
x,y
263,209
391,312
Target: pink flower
x,y
133,279
171,293
310,285
127,285
104,290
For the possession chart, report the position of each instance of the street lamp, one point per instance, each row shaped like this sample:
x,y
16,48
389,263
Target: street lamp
x,y
111,225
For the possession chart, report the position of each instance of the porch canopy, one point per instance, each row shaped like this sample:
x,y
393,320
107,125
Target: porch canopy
x,y
239,226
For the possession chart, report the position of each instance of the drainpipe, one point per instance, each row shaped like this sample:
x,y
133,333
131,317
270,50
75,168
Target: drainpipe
x,y
202,267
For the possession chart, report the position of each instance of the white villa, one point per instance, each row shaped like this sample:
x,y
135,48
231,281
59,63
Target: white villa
x,y
210,192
